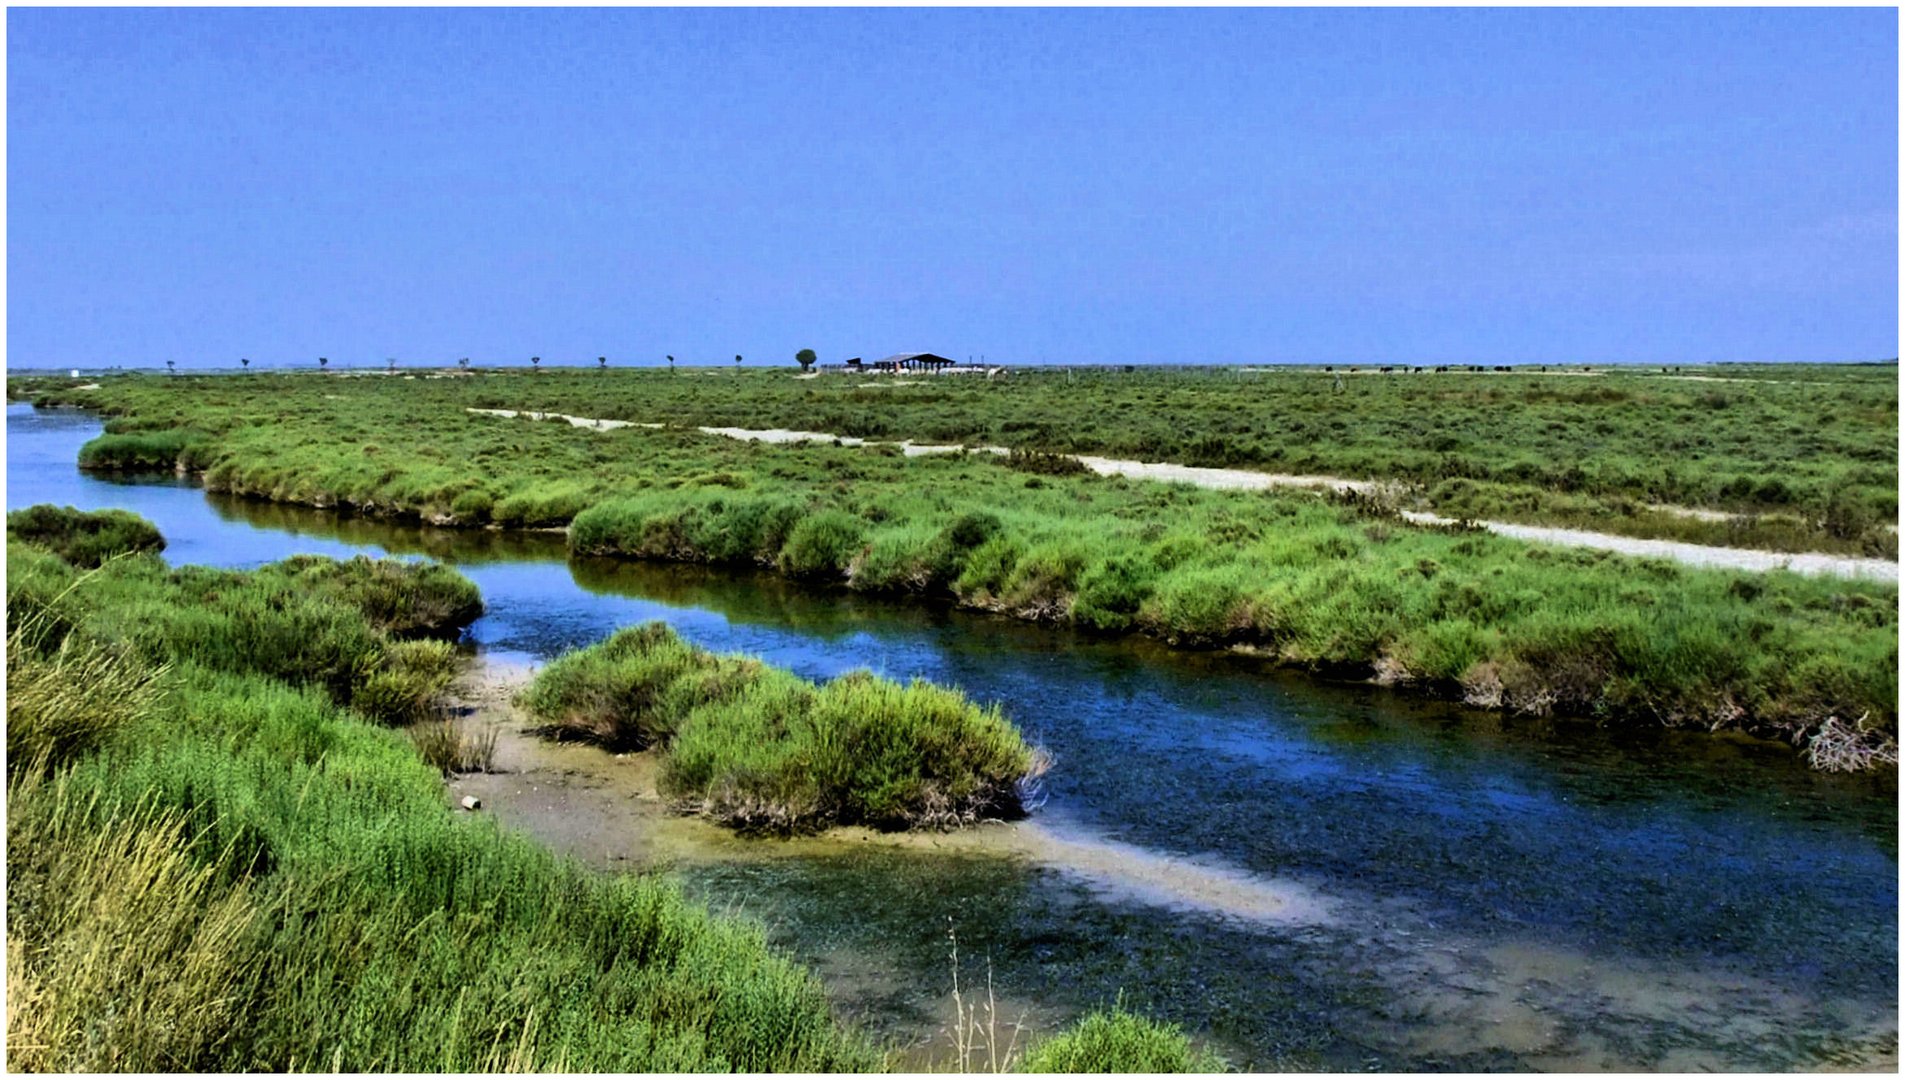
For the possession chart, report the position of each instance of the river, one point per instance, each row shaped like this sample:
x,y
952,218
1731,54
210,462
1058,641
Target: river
x,y
1302,874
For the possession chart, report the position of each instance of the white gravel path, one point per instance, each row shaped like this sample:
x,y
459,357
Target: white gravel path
x,y
1814,563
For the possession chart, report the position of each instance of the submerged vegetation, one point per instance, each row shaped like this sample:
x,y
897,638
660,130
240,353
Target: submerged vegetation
x,y
1342,588
762,749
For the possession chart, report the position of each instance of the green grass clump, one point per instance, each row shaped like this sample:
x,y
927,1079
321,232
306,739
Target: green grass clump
x,y
82,537
67,703
232,871
759,748
402,599
144,451
1117,1041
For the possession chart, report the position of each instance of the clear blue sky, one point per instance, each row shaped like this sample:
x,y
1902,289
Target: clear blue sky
x,y
1035,185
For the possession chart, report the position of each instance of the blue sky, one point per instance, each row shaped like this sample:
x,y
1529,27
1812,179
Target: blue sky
x,y
1054,186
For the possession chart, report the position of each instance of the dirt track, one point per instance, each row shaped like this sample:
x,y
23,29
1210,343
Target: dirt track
x,y
1813,563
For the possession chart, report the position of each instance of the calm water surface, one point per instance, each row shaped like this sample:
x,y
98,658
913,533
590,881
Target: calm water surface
x,y
1503,892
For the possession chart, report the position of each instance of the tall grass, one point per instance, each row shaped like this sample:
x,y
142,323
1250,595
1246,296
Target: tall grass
x,y
241,873
124,952
759,748
453,748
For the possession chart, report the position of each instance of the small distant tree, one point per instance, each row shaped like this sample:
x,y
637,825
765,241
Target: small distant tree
x,y
536,362
602,362
671,365
393,365
245,362
323,362
737,359
171,367
805,358
464,363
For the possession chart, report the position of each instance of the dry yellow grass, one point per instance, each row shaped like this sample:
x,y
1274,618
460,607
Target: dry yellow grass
x,y
123,951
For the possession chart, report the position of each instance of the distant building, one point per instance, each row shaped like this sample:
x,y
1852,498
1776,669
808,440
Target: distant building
x,y
912,361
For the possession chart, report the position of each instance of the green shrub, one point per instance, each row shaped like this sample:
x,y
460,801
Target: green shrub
x,y
405,681
822,544
401,598
84,538
761,749
145,451
1111,593
1116,1041
474,505
541,507
615,693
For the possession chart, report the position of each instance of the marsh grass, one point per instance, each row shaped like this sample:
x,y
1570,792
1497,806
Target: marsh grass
x,y
71,702
455,747
84,538
241,874
1345,590
1118,1041
761,749
164,449
124,952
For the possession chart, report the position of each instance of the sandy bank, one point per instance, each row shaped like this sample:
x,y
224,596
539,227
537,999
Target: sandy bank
x,y
606,809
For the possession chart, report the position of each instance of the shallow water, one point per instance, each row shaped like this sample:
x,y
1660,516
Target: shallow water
x,y
1501,892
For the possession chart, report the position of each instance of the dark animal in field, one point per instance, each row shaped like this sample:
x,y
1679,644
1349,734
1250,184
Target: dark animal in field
x,y
1327,369
1352,371
1441,369
1387,370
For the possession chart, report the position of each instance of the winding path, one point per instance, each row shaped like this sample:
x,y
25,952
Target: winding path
x,y
1725,558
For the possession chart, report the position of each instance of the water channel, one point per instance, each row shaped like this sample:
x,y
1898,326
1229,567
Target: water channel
x,y
1302,874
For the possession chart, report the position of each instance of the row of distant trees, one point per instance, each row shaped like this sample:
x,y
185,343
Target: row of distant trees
x,y
806,358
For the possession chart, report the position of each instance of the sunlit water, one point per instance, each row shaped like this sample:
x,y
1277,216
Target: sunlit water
x,y
1503,892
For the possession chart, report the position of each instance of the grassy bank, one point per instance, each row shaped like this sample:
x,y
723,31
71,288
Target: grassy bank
x,y
1339,588
1813,448
217,861
220,857
759,748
